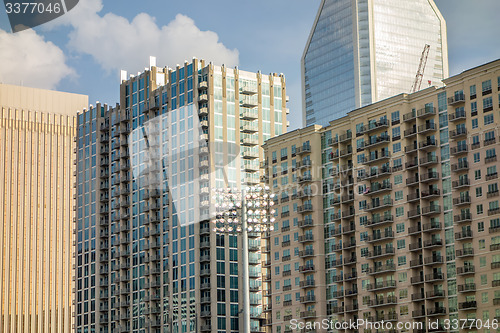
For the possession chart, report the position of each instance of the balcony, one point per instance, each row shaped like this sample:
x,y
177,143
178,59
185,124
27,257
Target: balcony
x,y
426,112
465,234
307,299
432,193
427,144
417,279
378,188
465,270
464,200
380,301
414,213
430,176
429,127
381,269
410,116
380,237
456,99
434,260
461,183
437,311
459,149
306,208
375,222
429,160
306,253
306,238
380,253
305,179
305,149
462,253
464,217
434,277
382,139
306,268
307,314
470,305
458,133
307,284
416,263
435,293
461,166
306,223
490,159
431,243
431,210
373,126
379,156
410,132
378,205
381,285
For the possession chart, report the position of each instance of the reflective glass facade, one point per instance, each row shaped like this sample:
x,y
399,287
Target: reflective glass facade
x,y
363,51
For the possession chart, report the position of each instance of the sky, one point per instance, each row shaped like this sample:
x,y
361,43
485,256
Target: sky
x,y
84,50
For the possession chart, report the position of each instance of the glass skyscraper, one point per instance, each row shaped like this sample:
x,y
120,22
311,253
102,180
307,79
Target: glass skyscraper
x,y
147,259
363,51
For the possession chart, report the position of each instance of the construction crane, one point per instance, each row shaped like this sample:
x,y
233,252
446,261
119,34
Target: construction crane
x,y
421,68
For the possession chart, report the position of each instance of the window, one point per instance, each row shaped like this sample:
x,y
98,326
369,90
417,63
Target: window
x,y
490,153
479,209
474,123
477,158
403,293
486,87
395,116
401,260
479,191
396,148
482,262
398,179
482,244
401,244
488,119
473,91
400,211
396,133
359,128
398,195
487,104
284,153
274,157
480,226
475,139
473,108
477,174
400,227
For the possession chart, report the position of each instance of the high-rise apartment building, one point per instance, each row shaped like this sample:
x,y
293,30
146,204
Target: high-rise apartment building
x,y
37,131
363,51
147,258
406,193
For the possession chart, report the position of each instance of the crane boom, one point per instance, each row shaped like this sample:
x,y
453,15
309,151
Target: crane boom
x,y
421,68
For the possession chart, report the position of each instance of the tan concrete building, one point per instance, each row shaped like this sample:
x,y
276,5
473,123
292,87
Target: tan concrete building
x,y
410,207
37,131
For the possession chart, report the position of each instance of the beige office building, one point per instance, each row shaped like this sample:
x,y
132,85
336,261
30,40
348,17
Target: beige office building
x,y
406,225
37,132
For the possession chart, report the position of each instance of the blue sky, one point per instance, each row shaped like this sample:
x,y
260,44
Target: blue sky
x,y
84,50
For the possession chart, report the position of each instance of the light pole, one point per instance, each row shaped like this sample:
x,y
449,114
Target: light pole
x,y
243,211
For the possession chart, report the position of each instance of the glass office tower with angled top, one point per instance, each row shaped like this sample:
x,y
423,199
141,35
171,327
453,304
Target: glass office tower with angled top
x,y
363,51
156,264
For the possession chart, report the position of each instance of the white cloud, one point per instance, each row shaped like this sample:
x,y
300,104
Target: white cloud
x,y
117,43
26,58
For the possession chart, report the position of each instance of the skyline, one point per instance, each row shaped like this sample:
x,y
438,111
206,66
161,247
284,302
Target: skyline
x,y
88,70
